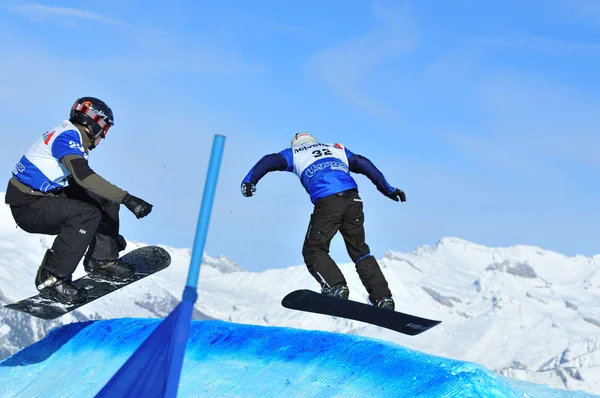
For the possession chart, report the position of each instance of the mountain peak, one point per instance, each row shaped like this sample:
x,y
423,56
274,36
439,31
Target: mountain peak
x,y
448,243
222,263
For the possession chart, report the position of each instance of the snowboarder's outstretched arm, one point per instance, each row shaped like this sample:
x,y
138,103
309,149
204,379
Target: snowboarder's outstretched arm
x,y
272,162
87,178
361,165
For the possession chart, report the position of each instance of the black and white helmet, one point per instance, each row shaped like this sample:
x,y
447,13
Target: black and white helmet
x,y
94,114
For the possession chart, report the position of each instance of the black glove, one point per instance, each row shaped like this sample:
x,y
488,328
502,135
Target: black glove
x,y
248,189
397,193
137,206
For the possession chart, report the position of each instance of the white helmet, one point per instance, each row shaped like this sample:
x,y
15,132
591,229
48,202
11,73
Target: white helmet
x,y
302,138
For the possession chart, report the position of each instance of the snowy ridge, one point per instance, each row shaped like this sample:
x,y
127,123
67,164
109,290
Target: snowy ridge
x,y
522,311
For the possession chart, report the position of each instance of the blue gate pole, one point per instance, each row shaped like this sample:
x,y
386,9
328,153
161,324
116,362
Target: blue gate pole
x,y
168,341
190,292
205,210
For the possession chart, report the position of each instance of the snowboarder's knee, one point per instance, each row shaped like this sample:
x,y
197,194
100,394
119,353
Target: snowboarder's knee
x,y
311,254
90,213
362,257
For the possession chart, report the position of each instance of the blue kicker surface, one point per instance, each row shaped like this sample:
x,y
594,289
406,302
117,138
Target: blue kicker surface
x,y
234,360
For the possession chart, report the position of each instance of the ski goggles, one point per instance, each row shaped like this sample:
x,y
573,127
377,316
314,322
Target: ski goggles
x,y
96,116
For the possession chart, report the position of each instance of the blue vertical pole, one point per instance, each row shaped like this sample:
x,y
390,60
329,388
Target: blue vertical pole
x,y
180,334
154,369
205,210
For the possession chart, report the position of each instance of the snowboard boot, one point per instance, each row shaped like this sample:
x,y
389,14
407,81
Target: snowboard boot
x,y
339,290
386,302
111,270
58,289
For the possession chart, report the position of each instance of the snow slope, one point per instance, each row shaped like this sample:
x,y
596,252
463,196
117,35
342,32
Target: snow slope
x,y
233,360
524,312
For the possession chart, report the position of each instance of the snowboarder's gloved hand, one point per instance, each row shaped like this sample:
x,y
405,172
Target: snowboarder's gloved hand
x,y
397,195
248,189
137,206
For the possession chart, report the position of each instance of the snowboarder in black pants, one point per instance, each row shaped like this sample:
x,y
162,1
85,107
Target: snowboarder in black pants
x,y
324,171
53,191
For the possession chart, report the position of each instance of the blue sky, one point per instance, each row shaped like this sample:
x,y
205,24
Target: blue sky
x,y
486,114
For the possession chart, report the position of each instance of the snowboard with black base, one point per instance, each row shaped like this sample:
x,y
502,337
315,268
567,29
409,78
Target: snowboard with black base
x,y
310,301
47,304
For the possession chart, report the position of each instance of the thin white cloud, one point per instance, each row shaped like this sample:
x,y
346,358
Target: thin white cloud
x,y
546,115
545,45
345,67
581,10
42,12
506,154
532,126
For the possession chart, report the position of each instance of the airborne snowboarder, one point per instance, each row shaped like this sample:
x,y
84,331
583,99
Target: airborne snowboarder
x,y
53,191
324,171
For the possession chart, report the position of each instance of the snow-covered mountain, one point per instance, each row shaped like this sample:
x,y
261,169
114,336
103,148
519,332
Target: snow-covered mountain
x,y
524,312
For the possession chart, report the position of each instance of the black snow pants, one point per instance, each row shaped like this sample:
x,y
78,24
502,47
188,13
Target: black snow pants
x,y
83,222
341,212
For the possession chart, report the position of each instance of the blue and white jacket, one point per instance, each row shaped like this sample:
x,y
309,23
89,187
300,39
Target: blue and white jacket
x,y
40,168
323,169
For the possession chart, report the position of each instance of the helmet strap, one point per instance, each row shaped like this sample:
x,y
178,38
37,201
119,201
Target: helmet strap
x,y
93,135
90,137
87,140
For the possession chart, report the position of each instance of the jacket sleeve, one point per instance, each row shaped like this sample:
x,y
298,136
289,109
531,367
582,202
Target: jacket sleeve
x,y
361,165
282,161
88,179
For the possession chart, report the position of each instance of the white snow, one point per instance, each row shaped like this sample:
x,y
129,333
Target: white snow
x,y
523,311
